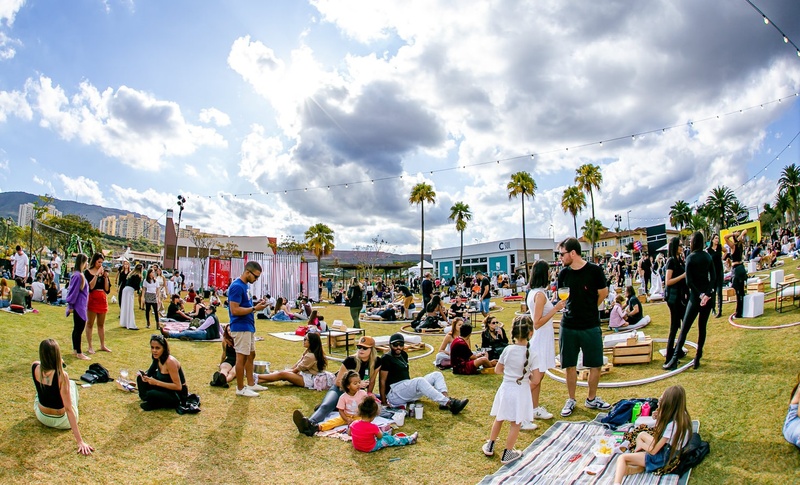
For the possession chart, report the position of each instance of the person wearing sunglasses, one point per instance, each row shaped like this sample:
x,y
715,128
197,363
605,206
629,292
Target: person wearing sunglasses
x,y
365,362
398,389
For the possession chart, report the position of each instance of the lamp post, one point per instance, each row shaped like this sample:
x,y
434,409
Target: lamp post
x,y
7,221
629,220
618,220
181,202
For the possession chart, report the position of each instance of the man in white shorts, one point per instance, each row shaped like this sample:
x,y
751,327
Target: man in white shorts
x,y
243,328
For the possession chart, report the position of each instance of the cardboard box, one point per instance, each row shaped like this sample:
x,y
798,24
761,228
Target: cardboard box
x,y
728,294
635,353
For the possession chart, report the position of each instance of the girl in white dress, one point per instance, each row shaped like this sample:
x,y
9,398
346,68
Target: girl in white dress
x,y
512,402
127,318
542,312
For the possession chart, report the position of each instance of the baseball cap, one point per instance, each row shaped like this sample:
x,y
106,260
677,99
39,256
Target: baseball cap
x,y
397,337
367,342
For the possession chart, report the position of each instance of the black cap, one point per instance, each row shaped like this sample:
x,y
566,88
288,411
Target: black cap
x,y
398,337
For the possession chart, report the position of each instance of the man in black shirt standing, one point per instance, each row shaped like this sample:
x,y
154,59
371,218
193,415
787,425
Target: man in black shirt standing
x,y
580,325
398,389
485,293
427,290
646,268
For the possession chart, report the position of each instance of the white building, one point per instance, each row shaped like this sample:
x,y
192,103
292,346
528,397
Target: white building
x,y
131,227
27,213
496,257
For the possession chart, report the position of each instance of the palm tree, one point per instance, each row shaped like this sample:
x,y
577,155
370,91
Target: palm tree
x,y
592,230
460,213
719,206
789,184
420,194
698,222
782,205
680,214
319,240
573,201
588,177
522,184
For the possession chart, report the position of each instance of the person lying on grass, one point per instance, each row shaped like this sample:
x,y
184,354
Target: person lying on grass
x,y
209,330
791,426
56,401
311,363
367,437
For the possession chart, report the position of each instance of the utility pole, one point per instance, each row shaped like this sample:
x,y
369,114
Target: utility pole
x,y
629,220
181,202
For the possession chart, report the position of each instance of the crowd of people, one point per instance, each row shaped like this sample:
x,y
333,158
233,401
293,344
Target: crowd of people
x,y
692,285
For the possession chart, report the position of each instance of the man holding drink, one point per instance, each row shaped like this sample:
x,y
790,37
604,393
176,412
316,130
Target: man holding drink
x,y
580,325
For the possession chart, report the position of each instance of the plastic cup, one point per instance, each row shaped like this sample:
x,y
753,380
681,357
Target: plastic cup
x,y
400,418
418,412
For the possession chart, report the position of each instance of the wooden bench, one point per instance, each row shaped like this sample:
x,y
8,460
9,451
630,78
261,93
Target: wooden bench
x,y
633,352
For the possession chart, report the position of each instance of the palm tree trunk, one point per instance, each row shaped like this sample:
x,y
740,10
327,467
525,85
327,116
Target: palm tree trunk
x,y
524,239
422,241
460,258
575,223
591,194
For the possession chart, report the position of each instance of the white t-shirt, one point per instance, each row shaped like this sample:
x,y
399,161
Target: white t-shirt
x,y
669,430
513,359
39,293
20,262
150,287
55,265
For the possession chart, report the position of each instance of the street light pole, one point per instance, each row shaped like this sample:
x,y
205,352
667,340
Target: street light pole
x,y
181,202
629,220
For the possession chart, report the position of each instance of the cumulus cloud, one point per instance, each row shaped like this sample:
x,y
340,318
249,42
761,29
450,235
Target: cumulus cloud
x,y
46,184
14,103
8,11
126,124
82,188
213,115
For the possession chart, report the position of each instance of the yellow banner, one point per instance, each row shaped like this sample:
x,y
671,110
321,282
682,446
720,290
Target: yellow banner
x,y
753,231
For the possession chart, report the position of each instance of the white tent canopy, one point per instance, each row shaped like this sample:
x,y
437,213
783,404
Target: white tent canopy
x,y
414,270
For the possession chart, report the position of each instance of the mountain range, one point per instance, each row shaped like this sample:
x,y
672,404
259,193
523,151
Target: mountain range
x,y
10,202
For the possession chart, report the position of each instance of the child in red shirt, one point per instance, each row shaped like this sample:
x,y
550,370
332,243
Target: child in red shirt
x,y
367,436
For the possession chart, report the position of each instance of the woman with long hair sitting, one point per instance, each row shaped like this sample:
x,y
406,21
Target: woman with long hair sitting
x,y
56,401
282,313
227,365
164,383
311,363
443,354
368,366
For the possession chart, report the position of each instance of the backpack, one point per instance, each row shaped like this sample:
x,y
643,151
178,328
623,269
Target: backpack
x,y
96,374
622,411
693,455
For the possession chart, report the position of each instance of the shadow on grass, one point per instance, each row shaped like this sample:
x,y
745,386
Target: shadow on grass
x,y
138,426
223,444
21,441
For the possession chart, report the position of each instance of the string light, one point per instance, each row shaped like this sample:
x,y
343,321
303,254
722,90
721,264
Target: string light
x,y
532,156
767,21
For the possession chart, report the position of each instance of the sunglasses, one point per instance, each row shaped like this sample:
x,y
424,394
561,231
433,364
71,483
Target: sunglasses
x,y
397,344
362,347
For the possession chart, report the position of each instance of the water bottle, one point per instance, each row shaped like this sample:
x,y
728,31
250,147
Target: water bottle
x,y
637,410
366,375
645,409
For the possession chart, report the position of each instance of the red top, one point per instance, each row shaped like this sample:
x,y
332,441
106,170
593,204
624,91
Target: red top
x,y
364,435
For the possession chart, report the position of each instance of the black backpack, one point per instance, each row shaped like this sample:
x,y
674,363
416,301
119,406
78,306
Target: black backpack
x,y
96,374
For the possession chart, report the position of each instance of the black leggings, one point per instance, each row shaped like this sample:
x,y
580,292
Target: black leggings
x,y
693,310
156,397
147,307
676,312
78,324
738,283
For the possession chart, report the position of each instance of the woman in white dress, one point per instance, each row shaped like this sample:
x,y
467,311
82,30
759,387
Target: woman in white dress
x,y
161,293
127,318
542,312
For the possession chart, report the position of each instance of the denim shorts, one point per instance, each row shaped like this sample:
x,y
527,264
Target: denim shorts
x,y
659,460
485,305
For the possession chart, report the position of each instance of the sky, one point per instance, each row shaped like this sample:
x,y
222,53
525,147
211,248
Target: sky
x,y
269,117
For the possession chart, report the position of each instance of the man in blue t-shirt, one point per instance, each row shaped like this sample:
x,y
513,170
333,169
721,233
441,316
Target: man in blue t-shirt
x,y
243,328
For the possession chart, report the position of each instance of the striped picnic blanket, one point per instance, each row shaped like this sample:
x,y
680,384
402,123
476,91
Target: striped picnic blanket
x,y
546,460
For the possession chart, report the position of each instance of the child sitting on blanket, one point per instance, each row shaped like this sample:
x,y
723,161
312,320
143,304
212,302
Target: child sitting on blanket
x,y
367,436
348,402
672,433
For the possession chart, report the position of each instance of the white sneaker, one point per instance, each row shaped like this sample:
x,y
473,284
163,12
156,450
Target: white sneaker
x,y
257,387
569,406
541,413
246,392
528,426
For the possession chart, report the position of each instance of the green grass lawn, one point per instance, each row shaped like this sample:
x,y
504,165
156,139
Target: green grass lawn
x,y
740,395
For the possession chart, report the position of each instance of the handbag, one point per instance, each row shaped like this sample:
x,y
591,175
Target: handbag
x,y
89,377
302,330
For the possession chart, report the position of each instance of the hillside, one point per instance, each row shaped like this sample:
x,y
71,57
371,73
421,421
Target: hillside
x,y
10,202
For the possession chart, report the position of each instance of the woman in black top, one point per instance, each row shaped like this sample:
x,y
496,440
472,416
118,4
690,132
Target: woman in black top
x,y
493,337
163,385
736,243
122,277
701,280
676,293
715,250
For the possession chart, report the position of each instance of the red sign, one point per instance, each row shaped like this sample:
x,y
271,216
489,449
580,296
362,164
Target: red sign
x,y
219,273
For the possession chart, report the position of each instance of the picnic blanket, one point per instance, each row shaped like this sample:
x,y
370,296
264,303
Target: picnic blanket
x,y
291,337
546,460
340,432
8,310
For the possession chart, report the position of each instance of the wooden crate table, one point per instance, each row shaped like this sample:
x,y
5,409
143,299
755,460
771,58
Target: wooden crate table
x,y
754,287
343,338
728,294
633,352
583,374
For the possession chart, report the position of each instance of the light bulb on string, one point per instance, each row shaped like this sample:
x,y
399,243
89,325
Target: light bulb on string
x,y
306,189
785,40
329,187
766,20
346,186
